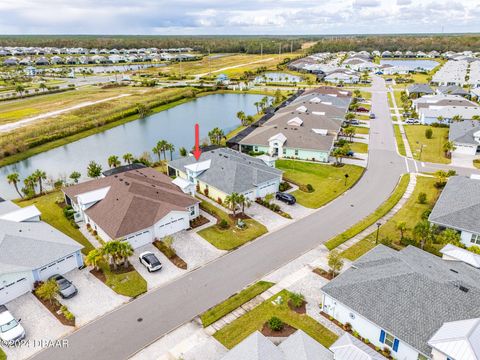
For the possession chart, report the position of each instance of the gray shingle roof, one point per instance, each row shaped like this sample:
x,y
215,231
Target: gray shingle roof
x,y
231,171
452,89
30,245
462,131
254,347
300,346
419,89
458,206
409,293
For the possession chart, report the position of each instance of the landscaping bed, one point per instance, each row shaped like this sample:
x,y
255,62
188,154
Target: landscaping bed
x,y
323,273
274,207
286,331
127,282
170,254
58,310
234,332
198,221
327,182
235,301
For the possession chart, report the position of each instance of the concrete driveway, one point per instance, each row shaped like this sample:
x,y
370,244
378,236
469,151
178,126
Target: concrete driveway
x,y
195,250
94,298
266,216
158,278
463,160
38,322
296,210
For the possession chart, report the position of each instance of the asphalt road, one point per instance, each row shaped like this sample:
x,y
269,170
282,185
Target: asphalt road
x,y
121,333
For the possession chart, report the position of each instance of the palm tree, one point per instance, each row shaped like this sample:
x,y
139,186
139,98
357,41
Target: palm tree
x,y
94,170
14,178
257,105
171,149
182,151
216,135
20,89
39,175
476,117
350,132
29,188
241,116
338,154
402,227
93,258
125,250
231,201
161,145
448,147
156,150
113,161
109,252
457,118
424,232
42,86
440,119
75,176
243,201
128,158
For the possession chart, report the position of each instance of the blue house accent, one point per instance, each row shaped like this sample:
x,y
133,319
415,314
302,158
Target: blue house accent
x,y
382,336
395,345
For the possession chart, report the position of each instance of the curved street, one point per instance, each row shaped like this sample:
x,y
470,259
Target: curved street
x,y
128,329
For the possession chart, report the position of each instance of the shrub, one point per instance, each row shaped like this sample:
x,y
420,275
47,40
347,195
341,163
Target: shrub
x,y
205,192
422,198
426,214
47,291
428,133
297,299
223,224
284,186
405,241
219,201
310,188
95,233
347,327
275,324
386,351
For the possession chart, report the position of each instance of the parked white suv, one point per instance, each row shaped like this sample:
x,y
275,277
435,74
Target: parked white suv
x,y
11,332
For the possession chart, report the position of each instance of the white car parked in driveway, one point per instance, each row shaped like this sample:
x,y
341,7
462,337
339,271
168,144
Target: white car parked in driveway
x,y
150,261
11,332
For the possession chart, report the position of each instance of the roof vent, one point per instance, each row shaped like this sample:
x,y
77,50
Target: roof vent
x,y
127,183
463,288
455,271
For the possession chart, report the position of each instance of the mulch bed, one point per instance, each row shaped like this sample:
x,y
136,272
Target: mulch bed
x,y
54,307
325,274
302,309
99,275
172,256
285,332
198,221
239,215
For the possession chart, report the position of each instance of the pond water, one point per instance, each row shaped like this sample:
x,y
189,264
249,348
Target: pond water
x,y
411,64
101,69
175,125
277,77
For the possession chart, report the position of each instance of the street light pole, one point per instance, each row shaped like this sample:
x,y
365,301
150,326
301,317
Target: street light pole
x,y
378,229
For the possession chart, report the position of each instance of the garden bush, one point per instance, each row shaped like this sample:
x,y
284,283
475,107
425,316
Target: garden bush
x,y
223,224
422,198
275,324
297,299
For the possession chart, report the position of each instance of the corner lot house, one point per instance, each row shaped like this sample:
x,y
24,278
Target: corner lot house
x,y
431,107
401,299
225,171
137,206
458,208
466,136
31,250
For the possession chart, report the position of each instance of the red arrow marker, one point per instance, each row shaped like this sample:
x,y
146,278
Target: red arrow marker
x,y
197,152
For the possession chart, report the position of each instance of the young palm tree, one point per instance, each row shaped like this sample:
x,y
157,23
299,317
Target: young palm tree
x,y
244,201
161,145
29,188
128,158
231,201
183,152
39,175
350,132
241,116
14,179
171,149
125,250
93,258
402,227
113,161
156,150
42,86
448,147
109,252
75,176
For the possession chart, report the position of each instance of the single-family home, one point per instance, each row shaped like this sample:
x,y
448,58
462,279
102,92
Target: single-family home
x,y
31,250
224,171
452,90
298,346
466,136
138,206
417,90
432,108
458,208
344,76
399,300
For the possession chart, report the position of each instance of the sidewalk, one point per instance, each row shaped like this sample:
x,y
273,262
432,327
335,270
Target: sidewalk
x,y
408,151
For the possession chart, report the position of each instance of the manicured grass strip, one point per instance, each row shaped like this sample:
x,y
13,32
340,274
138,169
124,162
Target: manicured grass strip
x,y
233,237
237,300
130,284
361,130
328,181
53,215
3,356
357,250
381,211
432,148
400,144
239,329
357,147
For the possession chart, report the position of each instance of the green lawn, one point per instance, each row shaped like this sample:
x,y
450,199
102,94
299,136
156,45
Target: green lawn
x,y
362,117
359,147
410,213
129,284
236,331
432,148
232,237
3,356
367,95
400,144
328,181
224,308
53,215
361,130
381,211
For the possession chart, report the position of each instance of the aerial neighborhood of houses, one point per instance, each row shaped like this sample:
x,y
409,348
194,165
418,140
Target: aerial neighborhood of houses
x,y
338,220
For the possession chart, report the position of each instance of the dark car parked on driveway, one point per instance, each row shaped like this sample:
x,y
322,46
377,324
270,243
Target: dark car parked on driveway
x,y
66,289
286,198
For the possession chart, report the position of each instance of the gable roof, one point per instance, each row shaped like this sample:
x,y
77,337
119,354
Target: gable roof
x,y
300,346
415,292
453,252
135,200
452,89
349,348
458,206
254,347
462,131
458,339
419,89
31,244
230,171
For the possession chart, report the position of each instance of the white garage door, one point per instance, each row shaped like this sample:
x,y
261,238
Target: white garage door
x,y
140,239
468,150
267,189
13,290
172,226
250,195
61,266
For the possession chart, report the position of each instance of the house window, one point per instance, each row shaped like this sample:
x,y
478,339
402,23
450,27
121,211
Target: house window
x,y
296,152
192,210
284,151
389,339
255,148
475,239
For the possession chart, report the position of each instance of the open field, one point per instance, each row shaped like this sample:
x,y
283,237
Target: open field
x,y
432,148
328,181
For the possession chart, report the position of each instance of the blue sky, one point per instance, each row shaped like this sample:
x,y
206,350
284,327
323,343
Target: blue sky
x,y
197,17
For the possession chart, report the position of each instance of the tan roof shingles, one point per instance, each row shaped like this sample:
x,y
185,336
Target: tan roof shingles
x,y
137,199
